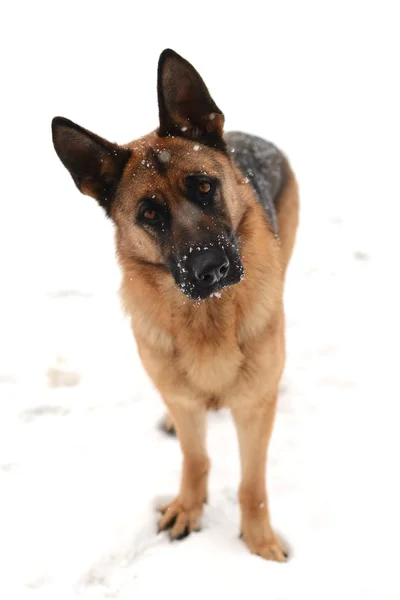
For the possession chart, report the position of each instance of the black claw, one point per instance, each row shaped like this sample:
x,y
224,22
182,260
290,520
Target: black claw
x,y
241,535
184,534
169,524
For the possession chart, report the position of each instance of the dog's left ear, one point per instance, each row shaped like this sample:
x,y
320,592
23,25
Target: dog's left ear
x,y
185,106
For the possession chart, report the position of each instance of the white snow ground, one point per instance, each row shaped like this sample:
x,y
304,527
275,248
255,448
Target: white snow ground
x,y
82,463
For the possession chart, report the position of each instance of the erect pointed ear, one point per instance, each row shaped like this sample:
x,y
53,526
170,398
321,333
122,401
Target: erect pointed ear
x,y
95,164
185,106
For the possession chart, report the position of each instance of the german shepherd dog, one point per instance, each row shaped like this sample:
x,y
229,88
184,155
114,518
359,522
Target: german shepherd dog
x,y
205,226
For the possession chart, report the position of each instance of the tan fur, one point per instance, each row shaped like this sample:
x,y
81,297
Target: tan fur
x,y
223,352
288,215
226,351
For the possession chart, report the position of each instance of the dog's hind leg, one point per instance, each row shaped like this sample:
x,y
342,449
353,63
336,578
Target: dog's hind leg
x,y
182,515
167,424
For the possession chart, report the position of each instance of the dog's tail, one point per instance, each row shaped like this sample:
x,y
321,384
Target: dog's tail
x,y
287,209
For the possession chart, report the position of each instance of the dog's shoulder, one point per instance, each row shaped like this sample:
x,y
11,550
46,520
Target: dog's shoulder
x,y
262,163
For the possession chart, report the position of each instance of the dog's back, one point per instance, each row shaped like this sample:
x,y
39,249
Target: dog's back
x,y
266,168
262,165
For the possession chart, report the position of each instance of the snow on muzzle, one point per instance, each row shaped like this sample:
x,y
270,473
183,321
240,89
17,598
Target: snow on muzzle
x,y
202,270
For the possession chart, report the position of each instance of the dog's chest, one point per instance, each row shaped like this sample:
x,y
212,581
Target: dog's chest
x,y
211,369
201,355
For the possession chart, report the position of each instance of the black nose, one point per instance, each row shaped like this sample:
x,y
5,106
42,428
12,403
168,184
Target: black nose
x,y
210,266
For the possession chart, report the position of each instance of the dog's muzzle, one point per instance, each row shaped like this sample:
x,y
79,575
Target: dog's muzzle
x,y
203,270
209,267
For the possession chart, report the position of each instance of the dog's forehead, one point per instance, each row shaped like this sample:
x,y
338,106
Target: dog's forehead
x,y
172,156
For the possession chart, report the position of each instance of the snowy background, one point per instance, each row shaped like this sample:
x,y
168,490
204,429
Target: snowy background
x,y
82,462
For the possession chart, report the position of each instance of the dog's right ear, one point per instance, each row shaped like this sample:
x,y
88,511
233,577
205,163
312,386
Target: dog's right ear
x,y
95,164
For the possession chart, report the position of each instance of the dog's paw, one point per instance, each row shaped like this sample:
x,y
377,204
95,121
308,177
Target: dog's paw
x,y
269,548
179,520
167,425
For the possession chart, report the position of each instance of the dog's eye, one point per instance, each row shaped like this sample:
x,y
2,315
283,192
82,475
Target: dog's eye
x,y
204,187
201,189
151,215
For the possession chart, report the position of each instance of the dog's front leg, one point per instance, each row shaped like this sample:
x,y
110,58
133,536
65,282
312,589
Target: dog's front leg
x,y
254,423
183,514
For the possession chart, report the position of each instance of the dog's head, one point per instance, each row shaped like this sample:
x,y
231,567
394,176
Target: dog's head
x,y
173,193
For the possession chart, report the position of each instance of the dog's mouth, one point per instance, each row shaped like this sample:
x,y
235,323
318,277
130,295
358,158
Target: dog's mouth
x,y
204,271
